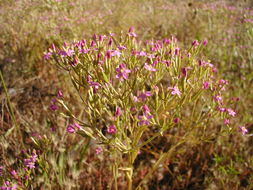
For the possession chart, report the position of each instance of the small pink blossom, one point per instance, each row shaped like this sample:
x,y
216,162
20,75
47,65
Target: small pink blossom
x,y
118,112
72,128
176,51
145,109
99,150
121,47
112,129
47,55
149,67
144,119
142,96
59,93
176,120
14,173
174,90
217,98
122,72
53,107
243,130
184,70
206,85
221,109
226,121
205,42
231,112
195,43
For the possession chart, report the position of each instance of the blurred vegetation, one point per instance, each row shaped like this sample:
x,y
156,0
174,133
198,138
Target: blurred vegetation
x,y
28,28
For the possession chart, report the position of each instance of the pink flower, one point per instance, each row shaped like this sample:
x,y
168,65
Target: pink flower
x,y
59,94
84,51
98,150
115,53
14,173
195,43
176,51
118,112
217,98
122,72
30,162
149,67
226,121
53,107
66,53
243,130
121,47
205,42
144,119
112,129
231,112
184,70
144,95
72,128
145,109
174,90
176,120
221,109
47,55
110,42
206,85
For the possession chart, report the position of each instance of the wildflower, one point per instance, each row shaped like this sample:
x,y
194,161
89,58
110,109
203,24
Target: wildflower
x,y
111,129
176,120
142,53
243,130
102,37
94,85
205,85
14,173
98,150
176,51
47,55
221,109
68,53
144,119
231,112
131,33
145,109
30,162
184,70
149,67
93,43
226,121
72,128
121,47
122,72
175,90
222,82
53,107
115,53
110,42
144,95
217,98
59,94
118,112
195,43
84,51
167,62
